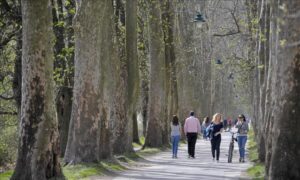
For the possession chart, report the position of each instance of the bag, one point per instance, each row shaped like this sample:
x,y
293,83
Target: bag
x,y
209,130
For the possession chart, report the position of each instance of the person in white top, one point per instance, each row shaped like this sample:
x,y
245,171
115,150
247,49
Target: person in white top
x,y
175,135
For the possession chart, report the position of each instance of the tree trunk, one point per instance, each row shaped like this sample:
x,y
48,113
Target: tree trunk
x,y
285,141
38,156
157,101
92,102
63,108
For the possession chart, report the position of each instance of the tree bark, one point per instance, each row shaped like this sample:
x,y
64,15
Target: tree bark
x,y
157,101
285,141
92,99
38,156
63,108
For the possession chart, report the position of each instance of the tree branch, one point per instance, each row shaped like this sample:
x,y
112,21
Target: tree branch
x,y
6,98
230,33
8,113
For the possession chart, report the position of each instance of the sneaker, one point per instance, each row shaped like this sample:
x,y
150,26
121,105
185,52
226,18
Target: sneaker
x,y
243,160
240,160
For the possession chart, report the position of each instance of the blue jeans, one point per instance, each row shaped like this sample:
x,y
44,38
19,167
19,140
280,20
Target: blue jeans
x,y
175,142
242,143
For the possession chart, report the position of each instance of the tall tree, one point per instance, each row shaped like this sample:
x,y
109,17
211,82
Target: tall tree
x,y
92,103
157,97
38,156
132,63
283,136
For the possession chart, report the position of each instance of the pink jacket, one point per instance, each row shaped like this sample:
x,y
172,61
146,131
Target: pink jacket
x,y
192,125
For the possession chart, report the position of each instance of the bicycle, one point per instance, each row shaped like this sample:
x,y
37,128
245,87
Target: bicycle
x,y
231,147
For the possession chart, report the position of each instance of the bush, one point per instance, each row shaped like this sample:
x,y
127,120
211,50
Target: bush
x,y
8,145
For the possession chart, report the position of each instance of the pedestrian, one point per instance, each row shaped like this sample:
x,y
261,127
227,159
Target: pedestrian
x,y
175,135
216,130
191,129
205,124
242,132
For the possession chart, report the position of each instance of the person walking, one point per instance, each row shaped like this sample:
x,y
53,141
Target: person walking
x,y
191,129
175,135
216,130
205,124
242,132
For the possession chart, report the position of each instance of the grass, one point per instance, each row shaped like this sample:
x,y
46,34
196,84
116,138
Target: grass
x,y
142,141
6,175
257,171
112,166
82,171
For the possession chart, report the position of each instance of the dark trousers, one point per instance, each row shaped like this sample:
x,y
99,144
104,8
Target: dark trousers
x,y
191,138
215,147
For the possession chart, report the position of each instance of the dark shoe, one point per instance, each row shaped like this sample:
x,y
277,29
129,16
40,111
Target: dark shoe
x,y
243,160
240,160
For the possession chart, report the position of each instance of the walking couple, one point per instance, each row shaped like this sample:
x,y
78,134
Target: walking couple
x,y
191,129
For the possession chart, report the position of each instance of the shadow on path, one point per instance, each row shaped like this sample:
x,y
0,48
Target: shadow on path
x,y
162,166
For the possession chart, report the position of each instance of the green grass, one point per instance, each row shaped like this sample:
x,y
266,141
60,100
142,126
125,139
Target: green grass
x,y
6,175
257,171
142,141
112,166
82,171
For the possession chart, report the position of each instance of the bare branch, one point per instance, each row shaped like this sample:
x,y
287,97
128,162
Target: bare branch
x,y
230,33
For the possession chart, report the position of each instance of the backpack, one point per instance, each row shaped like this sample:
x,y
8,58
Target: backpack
x,y
209,130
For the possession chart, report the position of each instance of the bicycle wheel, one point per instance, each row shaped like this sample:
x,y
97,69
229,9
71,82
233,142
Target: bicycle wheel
x,y
230,152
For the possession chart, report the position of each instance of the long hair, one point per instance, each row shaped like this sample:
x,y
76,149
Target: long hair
x,y
206,120
175,120
242,116
216,116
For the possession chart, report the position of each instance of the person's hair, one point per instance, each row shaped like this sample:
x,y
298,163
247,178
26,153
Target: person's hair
x,y
175,120
214,119
206,119
242,116
192,113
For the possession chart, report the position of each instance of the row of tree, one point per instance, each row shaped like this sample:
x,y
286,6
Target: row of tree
x,y
119,60
275,48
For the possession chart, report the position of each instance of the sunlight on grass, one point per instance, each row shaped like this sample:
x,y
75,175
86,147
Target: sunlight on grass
x,y
6,175
257,171
148,151
82,171
113,166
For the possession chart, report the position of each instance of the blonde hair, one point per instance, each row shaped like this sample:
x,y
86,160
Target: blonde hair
x,y
215,118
